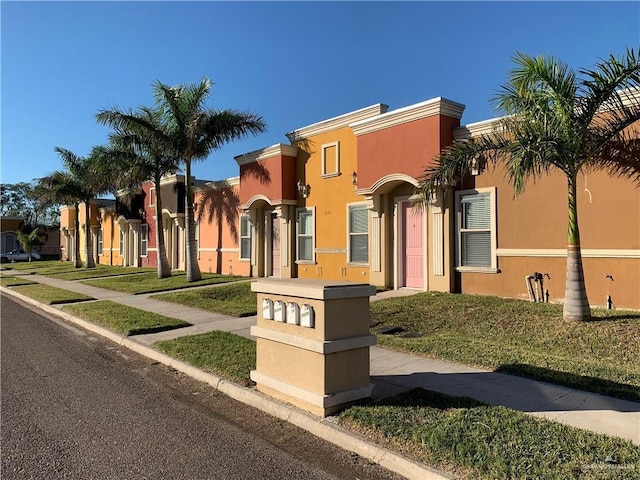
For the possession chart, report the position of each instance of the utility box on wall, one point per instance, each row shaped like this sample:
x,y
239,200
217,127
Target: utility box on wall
x,y
314,351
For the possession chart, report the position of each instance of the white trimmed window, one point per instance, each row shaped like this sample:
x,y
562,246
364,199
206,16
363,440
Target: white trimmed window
x,y
358,232
152,196
121,249
144,239
245,237
330,159
100,241
476,229
304,235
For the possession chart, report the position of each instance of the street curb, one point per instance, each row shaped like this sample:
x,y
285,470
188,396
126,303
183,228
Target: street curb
x,y
322,428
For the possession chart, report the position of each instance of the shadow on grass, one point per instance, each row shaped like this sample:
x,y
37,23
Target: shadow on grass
x,y
497,388
160,328
69,300
580,382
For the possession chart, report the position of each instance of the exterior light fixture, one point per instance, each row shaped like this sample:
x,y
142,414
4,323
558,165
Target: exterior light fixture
x,y
303,189
354,178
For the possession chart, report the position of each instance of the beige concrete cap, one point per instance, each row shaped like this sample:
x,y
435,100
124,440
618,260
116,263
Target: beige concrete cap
x,y
315,289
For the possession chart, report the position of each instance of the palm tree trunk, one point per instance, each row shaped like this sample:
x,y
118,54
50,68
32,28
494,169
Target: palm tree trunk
x,y
88,244
193,269
76,239
164,270
576,304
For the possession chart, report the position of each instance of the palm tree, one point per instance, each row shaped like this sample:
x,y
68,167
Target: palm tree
x,y
139,152
28,241
555,120
195,132
83,180
220,202
62,188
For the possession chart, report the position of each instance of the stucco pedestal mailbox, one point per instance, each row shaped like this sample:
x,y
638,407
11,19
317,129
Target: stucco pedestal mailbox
x,y
313,340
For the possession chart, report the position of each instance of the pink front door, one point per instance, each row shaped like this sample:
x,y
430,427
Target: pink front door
x,y
275,247
412,256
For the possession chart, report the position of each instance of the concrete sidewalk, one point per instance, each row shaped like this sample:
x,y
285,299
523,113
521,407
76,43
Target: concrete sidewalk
x,y
393,372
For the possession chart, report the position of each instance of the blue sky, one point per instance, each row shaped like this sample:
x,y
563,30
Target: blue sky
x,y
294,63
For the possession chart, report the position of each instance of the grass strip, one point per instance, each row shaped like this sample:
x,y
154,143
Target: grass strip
x,y
222,353
36,264
517,337
474,440
15,281
123,319
51,295
235,299
149,282
105,271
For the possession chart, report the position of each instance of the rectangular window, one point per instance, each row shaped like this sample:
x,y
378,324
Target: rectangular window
x,y
144,239
245,237
304,235
358,234
476,229
152,196
100,242
121,243
330,159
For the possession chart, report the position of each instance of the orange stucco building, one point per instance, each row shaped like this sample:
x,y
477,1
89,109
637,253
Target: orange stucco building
x,y
337,203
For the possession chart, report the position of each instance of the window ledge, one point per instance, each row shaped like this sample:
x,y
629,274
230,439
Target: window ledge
x,y
355,264
330,175
244,259
477,270
305,262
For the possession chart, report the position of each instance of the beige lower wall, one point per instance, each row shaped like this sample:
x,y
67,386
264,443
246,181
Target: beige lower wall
x,y
510,282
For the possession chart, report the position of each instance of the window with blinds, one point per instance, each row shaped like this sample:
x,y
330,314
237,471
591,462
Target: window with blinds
x,y
304,234
475,235
245,237
100,242
358,234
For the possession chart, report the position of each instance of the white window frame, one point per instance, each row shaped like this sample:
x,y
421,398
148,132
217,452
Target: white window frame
x,y
152,197
100,241
312,211
325,173
349,233
493,268
144,239
247,218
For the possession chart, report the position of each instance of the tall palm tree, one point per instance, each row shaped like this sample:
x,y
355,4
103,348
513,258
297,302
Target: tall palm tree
x,y
220,202
140,152
555,120
62,188
195,132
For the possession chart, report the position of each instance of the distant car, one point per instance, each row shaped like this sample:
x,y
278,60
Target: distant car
x,y
18,256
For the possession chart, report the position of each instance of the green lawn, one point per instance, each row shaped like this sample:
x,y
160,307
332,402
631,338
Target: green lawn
x,y
226,354
149,282
50,295
15,281
35,265
518,337
235,299
122,319
99,271
472,440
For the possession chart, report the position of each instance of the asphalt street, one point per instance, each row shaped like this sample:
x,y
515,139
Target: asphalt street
x,y
75,406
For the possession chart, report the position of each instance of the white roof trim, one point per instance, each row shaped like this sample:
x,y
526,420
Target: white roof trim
x,y
428,108
337,122
267,152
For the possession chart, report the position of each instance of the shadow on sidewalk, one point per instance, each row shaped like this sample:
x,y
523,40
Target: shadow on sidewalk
x,y
500,389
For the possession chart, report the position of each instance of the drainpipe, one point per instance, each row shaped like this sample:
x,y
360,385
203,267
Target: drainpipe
x,y
527,281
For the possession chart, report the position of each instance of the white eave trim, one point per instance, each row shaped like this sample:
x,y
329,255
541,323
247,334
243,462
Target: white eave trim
x,y
279,149
428,108
337,122
228,182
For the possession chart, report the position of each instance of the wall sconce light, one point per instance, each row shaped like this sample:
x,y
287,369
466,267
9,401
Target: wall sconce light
x,y
99,218
303,189
143,213
354,179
